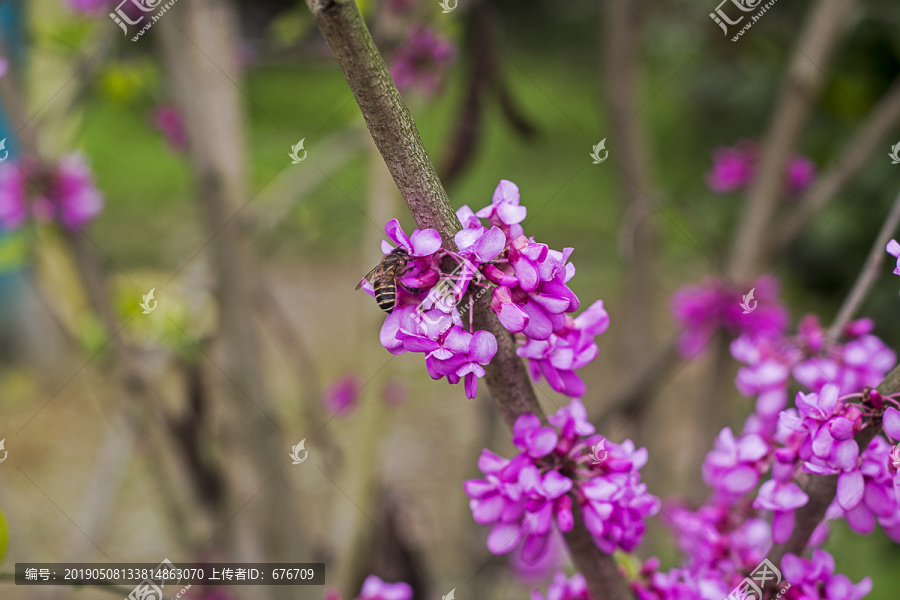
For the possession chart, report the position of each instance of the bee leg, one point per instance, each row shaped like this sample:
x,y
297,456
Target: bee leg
x,y
411,290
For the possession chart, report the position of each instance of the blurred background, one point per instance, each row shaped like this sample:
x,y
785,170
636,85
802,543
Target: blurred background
x,y
134,436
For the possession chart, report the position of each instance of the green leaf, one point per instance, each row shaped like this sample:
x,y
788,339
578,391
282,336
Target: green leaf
x,y
4,536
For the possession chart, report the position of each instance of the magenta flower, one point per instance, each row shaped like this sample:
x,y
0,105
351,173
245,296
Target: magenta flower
x,y
466,354
733,168
800,174
168,120
73,193
562,588
571,348
422,242
879,498
701,311
421,62
537,441
13,203
505,211
530,294
374,588
341,398
814,579
893,248
733,467
782,499
529,497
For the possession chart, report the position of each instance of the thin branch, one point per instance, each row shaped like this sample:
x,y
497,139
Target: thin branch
x,y
398,141
868,138
869,273
799,89
623,26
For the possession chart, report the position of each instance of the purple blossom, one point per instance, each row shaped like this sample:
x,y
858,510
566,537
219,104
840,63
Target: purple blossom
x,y
879,498
801,172
422,62
814,579
73,193
505,211
782,499
563,588
13,203
733,168
374,588
422,242
733,467
571,348
65,193
469,353
527,498
893,248
168,120
341,398
700,311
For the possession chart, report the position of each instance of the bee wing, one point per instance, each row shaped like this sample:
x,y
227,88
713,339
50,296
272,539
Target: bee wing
x,y
371,275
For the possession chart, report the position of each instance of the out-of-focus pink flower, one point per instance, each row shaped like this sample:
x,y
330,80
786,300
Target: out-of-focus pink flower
x,y
421,63
64,192
13,204
733,168
702,310
375,589
814,579
563,588
4,65
74,194
395,392
168,120
801,172
342,397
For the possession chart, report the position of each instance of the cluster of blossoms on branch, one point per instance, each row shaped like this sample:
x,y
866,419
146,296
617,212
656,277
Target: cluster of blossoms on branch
x,y
701,311
735,168
63,192
528,282
526,498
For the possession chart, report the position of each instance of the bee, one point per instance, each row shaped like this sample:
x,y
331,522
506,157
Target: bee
x,y
384,278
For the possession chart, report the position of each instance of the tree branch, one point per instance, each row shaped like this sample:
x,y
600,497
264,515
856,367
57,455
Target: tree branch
x,y
398,141
799,90
884,117
869,273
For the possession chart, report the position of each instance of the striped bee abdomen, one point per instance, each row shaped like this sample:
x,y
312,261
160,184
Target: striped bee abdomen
x,y
386,296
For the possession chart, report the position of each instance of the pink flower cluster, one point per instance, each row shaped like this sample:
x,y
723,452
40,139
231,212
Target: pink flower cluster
x,y
811,359
527,497
530,295
64,192
374,588
701,311
735,167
